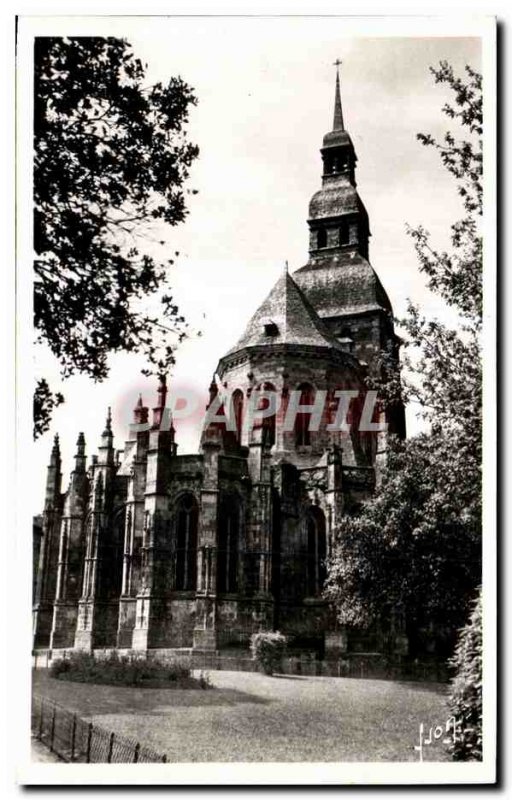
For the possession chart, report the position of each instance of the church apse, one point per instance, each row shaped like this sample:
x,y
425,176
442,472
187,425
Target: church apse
x,y
156,550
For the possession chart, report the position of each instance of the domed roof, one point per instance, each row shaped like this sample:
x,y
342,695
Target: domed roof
x,y
334,198
337,138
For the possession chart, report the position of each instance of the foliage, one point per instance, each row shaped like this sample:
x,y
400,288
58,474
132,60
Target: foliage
x,y
110,162
124,670
466,689
268,649
456,276
413,550
449,369
204,680
412,556
44,402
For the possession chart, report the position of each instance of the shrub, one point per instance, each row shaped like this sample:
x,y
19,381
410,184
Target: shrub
x,y
203,680
268,650
466,690
125,670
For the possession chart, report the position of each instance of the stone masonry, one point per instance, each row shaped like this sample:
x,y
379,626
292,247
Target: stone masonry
x,y
149,549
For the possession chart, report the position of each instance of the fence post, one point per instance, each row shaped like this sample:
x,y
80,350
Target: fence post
x,y
41,720
89,740
164,758
110,748
73,737
52,735
136,753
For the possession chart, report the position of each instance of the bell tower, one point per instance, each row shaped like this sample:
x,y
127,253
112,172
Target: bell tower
x,y
338,279
338,221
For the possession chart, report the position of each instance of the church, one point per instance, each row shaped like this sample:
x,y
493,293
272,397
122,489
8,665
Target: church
x,y
148,549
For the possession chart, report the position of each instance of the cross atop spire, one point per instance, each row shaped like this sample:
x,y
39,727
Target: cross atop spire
x,y
337,124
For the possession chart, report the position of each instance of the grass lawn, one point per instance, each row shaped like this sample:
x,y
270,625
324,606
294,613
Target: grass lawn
x,y
253,717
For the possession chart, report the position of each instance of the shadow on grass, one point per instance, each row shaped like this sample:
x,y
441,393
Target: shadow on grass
x,y
89,699
425,686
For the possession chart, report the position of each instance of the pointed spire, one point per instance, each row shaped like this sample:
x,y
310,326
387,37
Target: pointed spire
x,y
80,444
212,391
55,454
285,270
158,410
337,124
140,412
80,460
53,475
107,438
162,391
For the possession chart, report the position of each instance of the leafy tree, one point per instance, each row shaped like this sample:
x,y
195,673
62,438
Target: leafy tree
x,y
414,548
447,375
466,689
413,551
110,162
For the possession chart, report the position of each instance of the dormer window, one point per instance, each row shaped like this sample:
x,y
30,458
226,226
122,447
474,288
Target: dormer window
x,y
347,343
321,238
270,328
346,340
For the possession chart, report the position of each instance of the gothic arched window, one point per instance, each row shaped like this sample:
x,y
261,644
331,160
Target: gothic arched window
x,y
269,423
186,543
321,240
316,552
228,544
237,400
302,419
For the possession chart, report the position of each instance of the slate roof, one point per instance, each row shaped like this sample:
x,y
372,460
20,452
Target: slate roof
x,y
342,283
337,138
337,196
296,320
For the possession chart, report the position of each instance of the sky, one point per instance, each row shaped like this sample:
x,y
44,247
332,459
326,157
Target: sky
x,y
265,92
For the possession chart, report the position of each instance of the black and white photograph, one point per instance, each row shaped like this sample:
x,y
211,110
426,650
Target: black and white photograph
x,y
256,355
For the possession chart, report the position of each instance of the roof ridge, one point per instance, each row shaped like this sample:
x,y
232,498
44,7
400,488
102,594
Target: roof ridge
x,y
286,316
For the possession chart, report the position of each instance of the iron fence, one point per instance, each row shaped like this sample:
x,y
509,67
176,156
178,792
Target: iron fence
x,y
77,740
